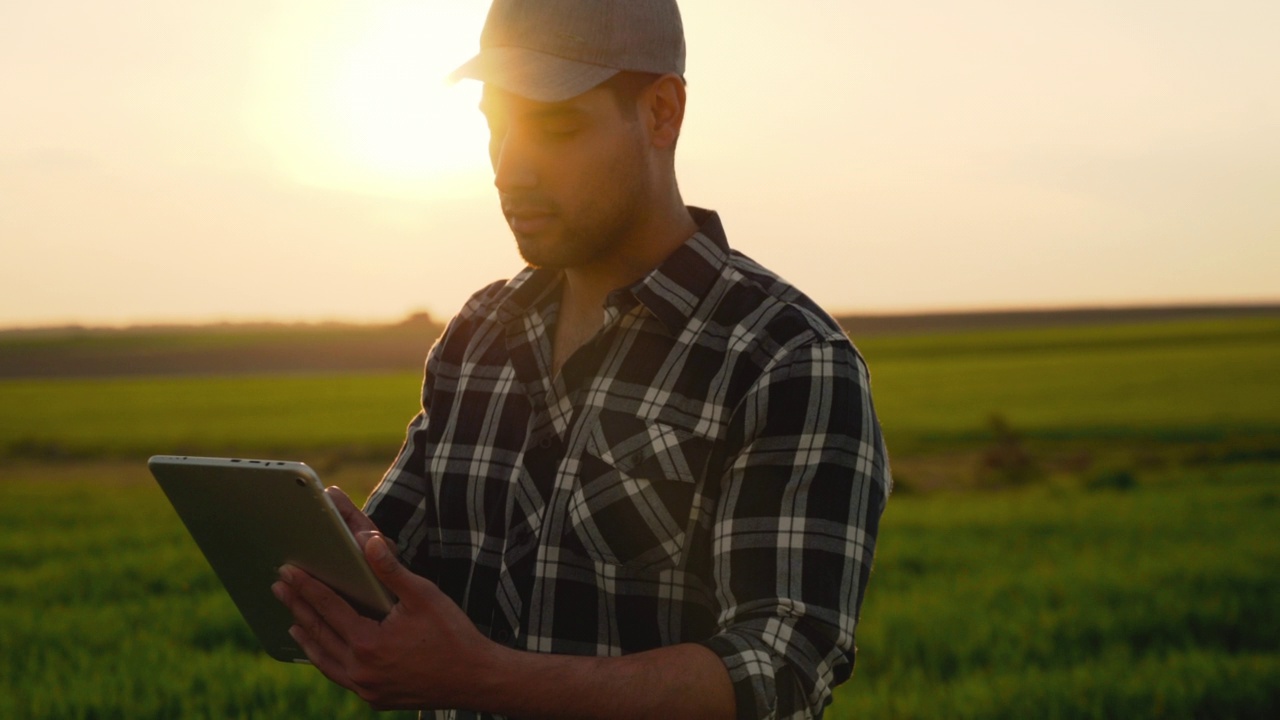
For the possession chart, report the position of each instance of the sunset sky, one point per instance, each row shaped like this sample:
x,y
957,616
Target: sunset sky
x,y
304,160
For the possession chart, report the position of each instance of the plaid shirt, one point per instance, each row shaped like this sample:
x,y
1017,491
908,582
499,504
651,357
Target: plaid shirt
x,y
707,469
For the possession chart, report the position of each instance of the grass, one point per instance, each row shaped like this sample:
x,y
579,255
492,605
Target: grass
x,y
1131,584
364,414
108,610
1050,601
1189,381
1057,602
1201,381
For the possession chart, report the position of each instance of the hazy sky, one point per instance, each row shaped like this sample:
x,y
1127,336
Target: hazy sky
x,y
302,159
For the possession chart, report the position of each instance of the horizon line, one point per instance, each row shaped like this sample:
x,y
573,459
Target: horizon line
x,y
1245,305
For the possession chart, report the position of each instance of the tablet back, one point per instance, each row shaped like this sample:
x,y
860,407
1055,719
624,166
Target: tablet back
x,y
249,517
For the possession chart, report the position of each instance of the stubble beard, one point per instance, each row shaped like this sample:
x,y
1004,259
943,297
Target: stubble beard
x,y
604,223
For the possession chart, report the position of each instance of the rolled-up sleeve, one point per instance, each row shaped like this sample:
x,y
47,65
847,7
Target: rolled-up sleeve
x,y
795,531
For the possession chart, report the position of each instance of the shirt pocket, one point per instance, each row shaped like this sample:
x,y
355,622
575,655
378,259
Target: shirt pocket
x,y
634,497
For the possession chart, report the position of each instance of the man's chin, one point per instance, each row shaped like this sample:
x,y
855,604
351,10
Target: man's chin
x,y
556,250
535,252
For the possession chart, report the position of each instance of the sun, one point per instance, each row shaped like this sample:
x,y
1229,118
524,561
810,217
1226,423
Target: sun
x,y
390,99
357,99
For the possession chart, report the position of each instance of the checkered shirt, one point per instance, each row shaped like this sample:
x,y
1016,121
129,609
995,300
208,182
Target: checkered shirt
x,y
708,468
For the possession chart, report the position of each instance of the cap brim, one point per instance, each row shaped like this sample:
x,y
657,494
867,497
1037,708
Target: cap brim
x,y
532,74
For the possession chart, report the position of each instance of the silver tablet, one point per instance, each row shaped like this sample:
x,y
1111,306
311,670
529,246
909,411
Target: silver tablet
x,y
249,517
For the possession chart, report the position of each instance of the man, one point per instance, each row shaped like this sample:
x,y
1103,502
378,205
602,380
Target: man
x,y
647,476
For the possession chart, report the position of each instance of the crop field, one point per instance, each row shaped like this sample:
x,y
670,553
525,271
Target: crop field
x,y
1154,602
1132,574
108,610
1180,381
1190,380
139,417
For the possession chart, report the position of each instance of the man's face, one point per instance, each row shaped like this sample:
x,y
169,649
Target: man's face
x,y
572,176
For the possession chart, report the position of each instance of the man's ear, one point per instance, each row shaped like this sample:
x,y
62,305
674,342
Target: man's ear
x,y
664,110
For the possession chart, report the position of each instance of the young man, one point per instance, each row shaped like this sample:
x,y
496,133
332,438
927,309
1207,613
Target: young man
x,y
647,476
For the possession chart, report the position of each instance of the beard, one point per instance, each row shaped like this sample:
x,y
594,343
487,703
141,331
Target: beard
x,y
584,239
599,225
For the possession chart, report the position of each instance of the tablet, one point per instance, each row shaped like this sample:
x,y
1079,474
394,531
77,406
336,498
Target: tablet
x,y
249,517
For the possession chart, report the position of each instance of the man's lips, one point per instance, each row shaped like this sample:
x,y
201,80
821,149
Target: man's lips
x,y
528,220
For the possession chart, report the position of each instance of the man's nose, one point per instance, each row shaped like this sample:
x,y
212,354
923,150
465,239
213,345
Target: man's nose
x,y
512,166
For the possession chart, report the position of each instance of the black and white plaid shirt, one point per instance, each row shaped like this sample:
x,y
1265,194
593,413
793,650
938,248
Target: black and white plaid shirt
x,y
707,469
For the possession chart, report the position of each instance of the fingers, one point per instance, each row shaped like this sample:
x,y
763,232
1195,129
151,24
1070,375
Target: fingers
x,y
380,553
321,612
322,646
326,625
353,516
328,665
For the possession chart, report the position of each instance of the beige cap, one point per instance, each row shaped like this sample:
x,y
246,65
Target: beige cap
x,y
552,50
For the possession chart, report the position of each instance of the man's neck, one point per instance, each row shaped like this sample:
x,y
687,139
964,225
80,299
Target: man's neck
x,y
585,288
589,285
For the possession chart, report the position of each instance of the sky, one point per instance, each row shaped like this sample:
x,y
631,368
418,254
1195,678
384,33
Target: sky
x,y
304,159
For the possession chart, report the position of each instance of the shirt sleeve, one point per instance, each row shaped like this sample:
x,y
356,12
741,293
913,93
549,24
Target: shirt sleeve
x,y
399,504
795,531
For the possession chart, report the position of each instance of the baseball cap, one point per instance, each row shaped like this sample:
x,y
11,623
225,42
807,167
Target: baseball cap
x,y
552,50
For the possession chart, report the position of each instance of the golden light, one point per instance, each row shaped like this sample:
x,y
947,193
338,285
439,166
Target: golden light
x,y
358,100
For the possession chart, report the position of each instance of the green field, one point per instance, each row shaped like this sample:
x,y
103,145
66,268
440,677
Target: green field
x,y
138,417
1051,601
1179,380
1159,601
108,610
1197,381
1132,575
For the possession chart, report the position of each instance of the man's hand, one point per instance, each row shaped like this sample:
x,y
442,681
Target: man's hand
x,y
416,657
426,653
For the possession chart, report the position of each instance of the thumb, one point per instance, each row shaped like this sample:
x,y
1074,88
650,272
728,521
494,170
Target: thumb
x,y
382,558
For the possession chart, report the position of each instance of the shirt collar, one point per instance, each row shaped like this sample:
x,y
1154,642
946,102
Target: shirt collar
x,y
526,290
672,291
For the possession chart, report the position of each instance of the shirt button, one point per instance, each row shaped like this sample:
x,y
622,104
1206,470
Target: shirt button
x,y
544,443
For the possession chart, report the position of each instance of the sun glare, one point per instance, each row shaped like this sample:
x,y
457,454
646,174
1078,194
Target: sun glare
x,y
391,99
358,100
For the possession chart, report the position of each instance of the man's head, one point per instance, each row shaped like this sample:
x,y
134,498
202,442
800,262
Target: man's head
x,y
584,100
